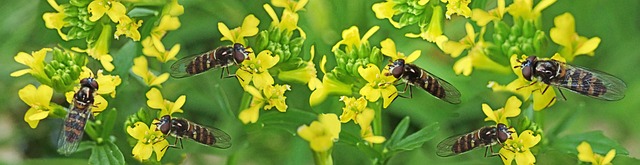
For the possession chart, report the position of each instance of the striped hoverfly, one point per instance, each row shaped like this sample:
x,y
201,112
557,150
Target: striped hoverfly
x,y
77,116
577,79
483,137
413,75
219,58
182,128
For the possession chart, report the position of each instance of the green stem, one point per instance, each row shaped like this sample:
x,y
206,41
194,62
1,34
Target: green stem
x,y
323,158
377,122
245,102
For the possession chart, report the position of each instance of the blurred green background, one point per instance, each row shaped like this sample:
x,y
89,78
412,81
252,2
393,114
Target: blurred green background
x,y
211,99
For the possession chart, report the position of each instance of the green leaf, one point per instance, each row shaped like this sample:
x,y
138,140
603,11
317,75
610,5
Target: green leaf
x,y
85,145
123,60
416,140
599,143
288,121
90,130
55,161
107,153
623,159
108,121
399,132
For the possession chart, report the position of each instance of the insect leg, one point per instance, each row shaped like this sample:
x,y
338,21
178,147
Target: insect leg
x,y
545,89
549,104
562,94
223,71
534,82
228,73
406,85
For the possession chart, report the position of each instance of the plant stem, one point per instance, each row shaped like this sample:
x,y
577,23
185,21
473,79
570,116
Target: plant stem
x,y
323,158
377,122
245,102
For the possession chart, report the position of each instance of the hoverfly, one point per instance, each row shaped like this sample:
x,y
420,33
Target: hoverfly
x,y
182,128
221,57
483,137
77,116
416,76
580,80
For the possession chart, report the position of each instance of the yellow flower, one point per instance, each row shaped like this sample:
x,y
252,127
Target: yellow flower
x,y
389,50
586,154
434,29
129,28
293,6
173,9
149,140
476,56
38,99
167,23
524,8
511,109
518,148
352,108
271,96
249,28
322,133
378,84
564,34
351,38
113,9
523,88
56,20
385,10
108,83
460,7
289,20
141,68
329,86
256,69
366,132
153,47
166,107
99,50
482,17
35,62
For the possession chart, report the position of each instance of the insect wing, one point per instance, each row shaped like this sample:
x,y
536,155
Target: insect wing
x,y
222,139
179,68
446,147
452,95
73,129
592,83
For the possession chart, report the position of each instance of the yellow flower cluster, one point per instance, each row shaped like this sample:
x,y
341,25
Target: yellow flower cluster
x,y
152,46
266,98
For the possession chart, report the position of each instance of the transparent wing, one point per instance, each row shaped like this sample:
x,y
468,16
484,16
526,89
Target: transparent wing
x,y
179,68
593,83
222,139
73,129
445,147
452,95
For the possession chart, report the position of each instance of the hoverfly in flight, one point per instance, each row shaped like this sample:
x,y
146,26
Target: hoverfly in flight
x,y
77,116
221,57
483,137
580,80
182,128
416,76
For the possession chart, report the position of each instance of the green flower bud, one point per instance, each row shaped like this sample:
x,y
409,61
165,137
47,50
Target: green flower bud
x,y
514,50
502,29
375,56
528,30
263,40
275,35
505,48
57,111
285,38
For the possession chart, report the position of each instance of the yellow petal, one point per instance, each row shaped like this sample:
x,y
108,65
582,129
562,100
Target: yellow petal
x,y
224,30
38,115
587,47
250,115
19,73
481,17
321,144
244,77
154,99
525,157
541,101
116,11
266,59
564,30
369,73
138,130
463,66
543,5
142,151
528,139
413,56
250,26
263,79
370,93
389,94
305,132
512,107
254,92
100,104
178,104
97,10
609,157
453,48
389,49
28,95
508,156
105,60
160,149
585,153
491,116
159,80
27,117
332,124
370,33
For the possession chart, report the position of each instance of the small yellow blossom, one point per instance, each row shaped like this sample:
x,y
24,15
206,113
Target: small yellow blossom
x,y
524,9
149,140
113,9
290,5
351,38
385,10
271,96
476,56
289,15
108,83
99,50
353,108
482,17
389,50
35,62
523,88
141,68
173,9
256,69
129,28
586,154
56,20
434,29
518,148
329,86
379,85
321,134
167,23
366,132
460,7
153,47
166,107
249,28
38,99
564,34
511,109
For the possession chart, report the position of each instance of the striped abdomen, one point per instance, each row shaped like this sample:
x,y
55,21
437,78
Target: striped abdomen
x,y
74,124
581,81
203,63
193,131
467,142
431,85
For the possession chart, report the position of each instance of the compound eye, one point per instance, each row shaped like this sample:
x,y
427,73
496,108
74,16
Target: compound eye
x,y
94,84
527,72
397,71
